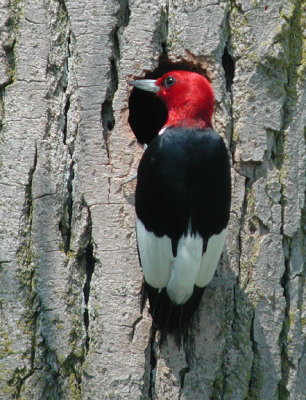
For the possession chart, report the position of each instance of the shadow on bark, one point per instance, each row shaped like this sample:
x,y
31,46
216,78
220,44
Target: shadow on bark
x,y
219,349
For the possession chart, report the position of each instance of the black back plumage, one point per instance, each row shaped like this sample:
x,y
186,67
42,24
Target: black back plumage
x,y
183,183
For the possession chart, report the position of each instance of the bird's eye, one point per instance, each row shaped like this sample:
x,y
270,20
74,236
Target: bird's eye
x,y
169,81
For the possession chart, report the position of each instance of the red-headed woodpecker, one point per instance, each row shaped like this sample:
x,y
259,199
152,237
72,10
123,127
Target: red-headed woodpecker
x,y
183,199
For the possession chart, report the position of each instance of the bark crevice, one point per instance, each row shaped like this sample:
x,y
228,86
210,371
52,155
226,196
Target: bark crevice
x,y
153,364
27,260
107,112
229,68
283,393
90,262
255,378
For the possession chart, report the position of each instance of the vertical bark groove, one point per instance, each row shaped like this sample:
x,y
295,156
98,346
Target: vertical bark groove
x,y
283,337
90,262
229,68
153,364
27,260
107,112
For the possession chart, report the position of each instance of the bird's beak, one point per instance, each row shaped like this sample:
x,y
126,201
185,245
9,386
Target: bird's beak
x,y
145,84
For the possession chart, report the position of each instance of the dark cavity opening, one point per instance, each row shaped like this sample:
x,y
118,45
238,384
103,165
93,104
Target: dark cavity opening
x,y
147,113
229,68
107,116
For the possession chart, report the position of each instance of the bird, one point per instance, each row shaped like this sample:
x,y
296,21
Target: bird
x,y
182,201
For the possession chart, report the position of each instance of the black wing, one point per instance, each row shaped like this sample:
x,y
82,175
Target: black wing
x,y
183,183
183,178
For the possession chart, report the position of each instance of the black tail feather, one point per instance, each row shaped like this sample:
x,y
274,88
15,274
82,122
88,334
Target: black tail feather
x,y
169,317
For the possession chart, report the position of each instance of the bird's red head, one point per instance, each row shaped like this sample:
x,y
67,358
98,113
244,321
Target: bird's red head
x,y
188,96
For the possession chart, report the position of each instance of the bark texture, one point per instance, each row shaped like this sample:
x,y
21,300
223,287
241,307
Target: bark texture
x,y
70,281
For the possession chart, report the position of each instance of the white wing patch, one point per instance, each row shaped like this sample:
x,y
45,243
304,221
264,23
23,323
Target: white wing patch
x,y
155,255
185,268
210,258
180,273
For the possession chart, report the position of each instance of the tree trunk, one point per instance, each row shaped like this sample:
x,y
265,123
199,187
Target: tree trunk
x,y
71,323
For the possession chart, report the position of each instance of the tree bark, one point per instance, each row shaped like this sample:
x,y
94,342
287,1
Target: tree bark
x,y
71,324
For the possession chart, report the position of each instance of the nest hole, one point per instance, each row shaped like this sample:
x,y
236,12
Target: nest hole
x,y
147,113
